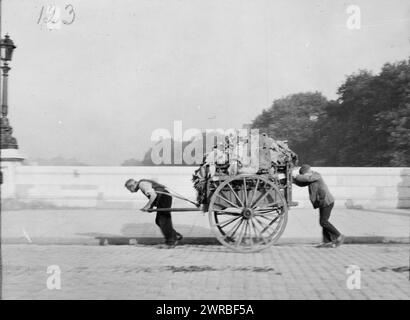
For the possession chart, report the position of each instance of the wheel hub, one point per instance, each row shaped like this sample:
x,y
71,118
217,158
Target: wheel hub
x,y
247,213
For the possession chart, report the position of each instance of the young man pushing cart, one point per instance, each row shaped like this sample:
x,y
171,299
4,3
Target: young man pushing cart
x,y
323,200
160,198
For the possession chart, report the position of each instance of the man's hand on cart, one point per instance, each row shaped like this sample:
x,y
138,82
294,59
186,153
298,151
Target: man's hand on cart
x,y
295,172
145,208
152,195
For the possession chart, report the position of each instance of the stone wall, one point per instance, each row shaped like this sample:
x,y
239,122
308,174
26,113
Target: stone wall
x,y
103,187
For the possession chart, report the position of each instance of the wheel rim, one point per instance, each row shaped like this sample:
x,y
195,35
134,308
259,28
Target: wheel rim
x,y
247,213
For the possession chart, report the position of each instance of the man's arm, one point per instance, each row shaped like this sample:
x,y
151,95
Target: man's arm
x,y
152,195
304,178
299,183
295,173
149,192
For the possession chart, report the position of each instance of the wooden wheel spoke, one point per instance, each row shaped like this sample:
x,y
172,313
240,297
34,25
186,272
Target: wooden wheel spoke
x,y
232,231
264,217
250,233
245,190
271,223
260,225
265,214
275,208
265,228
254,192
257,231
220,205
245,231
235,194
223,198
240,236
261,198
224,211
262,210
227,222
272,206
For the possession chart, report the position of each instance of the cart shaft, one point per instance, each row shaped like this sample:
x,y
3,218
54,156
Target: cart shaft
x,y
174,209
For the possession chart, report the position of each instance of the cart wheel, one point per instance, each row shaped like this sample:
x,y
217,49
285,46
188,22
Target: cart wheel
x,y
248,213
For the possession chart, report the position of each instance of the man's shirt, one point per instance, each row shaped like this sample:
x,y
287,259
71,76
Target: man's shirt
x,y
319,193
147,189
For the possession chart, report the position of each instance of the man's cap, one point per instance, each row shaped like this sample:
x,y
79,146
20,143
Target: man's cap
x,y
304,168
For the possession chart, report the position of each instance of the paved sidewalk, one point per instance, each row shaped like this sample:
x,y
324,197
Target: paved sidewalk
x,y
82,226
206,272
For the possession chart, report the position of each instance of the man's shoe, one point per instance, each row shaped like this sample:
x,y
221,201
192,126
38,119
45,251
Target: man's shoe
x,y
326,245
339,241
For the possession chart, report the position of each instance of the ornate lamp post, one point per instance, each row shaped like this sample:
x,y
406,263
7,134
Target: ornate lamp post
x,y
10,156
6,51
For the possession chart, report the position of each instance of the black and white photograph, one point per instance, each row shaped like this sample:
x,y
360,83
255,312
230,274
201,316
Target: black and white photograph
x,y
219,151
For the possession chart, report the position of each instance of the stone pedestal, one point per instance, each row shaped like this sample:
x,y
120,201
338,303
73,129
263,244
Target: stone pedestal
x,y
9,160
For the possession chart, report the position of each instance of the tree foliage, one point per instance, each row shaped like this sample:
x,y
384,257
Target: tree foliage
x,y
368,125
293,118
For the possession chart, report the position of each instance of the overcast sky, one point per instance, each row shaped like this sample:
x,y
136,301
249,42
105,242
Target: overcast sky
x,y
96,89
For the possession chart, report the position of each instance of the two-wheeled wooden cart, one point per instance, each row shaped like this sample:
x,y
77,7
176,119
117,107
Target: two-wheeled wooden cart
x,y
247,212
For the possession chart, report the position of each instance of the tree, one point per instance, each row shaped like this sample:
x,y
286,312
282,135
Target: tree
x,y
395,118
293,118
368,125
347,130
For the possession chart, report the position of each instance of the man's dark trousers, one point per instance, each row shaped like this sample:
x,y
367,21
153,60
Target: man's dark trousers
x,y
330,233
163,218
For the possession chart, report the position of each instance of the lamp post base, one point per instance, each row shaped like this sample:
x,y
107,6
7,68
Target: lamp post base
x,y
9,160
10,155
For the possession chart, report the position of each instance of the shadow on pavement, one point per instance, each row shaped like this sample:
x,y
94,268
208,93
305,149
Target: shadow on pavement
x,y
151,230
149,234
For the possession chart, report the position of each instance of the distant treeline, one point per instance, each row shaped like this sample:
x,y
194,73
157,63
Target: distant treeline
x,y
368,125
56,161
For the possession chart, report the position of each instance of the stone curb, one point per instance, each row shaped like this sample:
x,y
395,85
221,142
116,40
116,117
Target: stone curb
x,y
120,240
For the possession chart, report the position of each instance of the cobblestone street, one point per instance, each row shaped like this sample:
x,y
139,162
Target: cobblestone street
x,y
205,272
